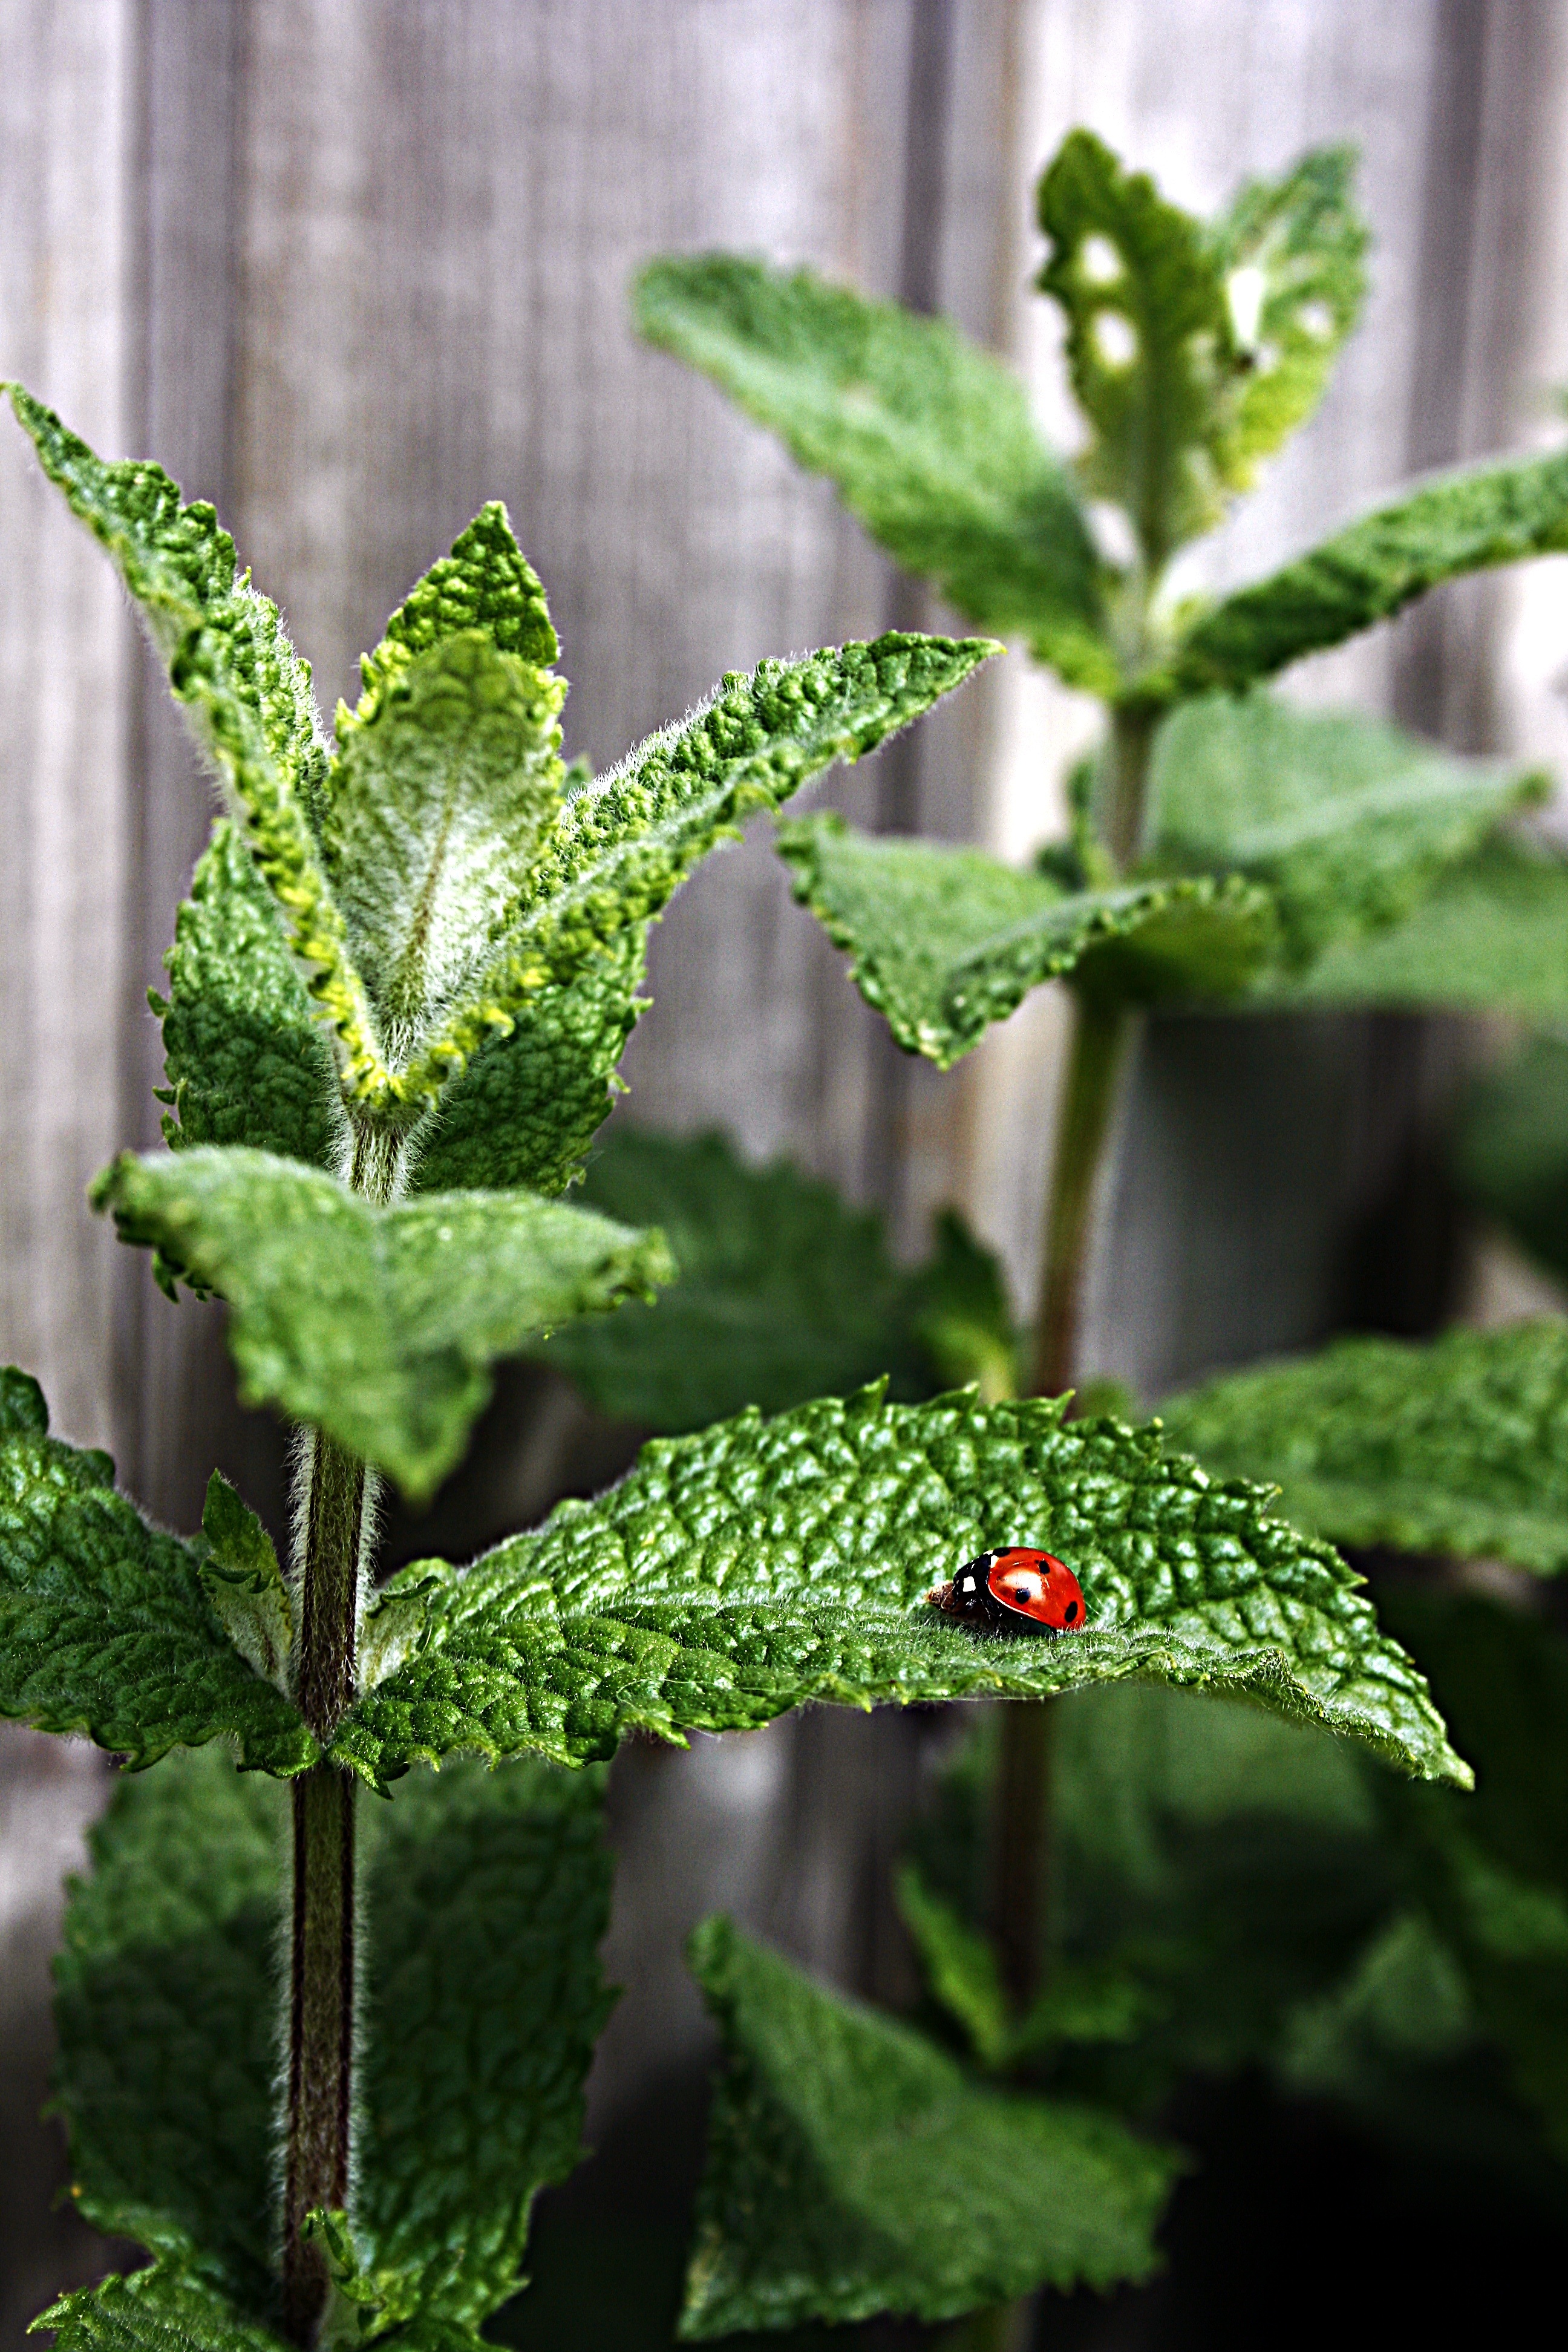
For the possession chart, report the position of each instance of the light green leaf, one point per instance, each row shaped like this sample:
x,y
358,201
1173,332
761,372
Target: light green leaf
x,y
852,2170
376,1325
1464,522
783,1293
959,1967
105,1623
1292,252
945,942
1510,1154
1458,1447
245,1583
439,805
1491,937
624,846
1346,822
486,1895
248,1063
928,437
154,2311
486,584
1151,346
246,691
743,1571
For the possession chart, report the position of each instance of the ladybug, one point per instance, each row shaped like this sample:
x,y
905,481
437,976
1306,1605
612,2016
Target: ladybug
x,y
1001,1589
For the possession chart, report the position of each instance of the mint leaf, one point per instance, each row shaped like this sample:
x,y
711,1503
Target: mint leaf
x,y
487,1895
155,2311
245,1583
376,1325
439,805
1368,571
249,1064
1460,1446
1292,252
623,846
486,584
852,2170
1512,1152
1491,937
959,1967
782,1294
962,1314
927,438
1150,344
1346,822
743,1571
105,1624
945,942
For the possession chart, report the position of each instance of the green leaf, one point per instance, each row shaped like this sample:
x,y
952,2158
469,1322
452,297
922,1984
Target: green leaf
x,y
245,1583
1292,254
1491,937
376,1325
960,1966
1405,1998
1510,1154
105,1623
1150,344
1370,570
852,2170
743,1571
486,1895
248,1063
1495,1872
782,1294
1458,1447
246,691
962,1315
945,942
1346,822
155,2311
439,805
486,584
927,438
624,846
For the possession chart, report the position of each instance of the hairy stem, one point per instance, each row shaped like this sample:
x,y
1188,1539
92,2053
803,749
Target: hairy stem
x,y
321,1951
1099,1038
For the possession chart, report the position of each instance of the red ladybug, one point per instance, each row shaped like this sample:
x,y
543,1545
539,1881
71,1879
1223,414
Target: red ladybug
x,y
1002,1587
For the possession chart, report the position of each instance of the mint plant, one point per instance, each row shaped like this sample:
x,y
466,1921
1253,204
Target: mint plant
x,y
397,997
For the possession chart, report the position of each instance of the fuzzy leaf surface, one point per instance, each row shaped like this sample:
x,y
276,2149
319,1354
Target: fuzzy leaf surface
x,y
1292,252
1150,344
782,1292
852,2169
623,846
486,584
743,1571
157,2310
927,438
1510,1155
486,1898
1346,822
1458,1446
105,1623
440,802
377,1325
945,942
1490,937
248,1064
1370,570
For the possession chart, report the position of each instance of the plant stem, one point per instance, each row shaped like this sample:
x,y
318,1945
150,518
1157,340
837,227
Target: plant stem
x,y
1132,726
1099,1037
321,1988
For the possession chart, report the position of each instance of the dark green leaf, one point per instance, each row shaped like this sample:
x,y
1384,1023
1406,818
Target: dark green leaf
x,y
739,1573
105,1623
962,1316
1492,937
1512,1152
486,1898
852,2170
377,1325
245,1583
1292,252
1460,1446
945,942
1151,346
1464,522
155,2311
1347,822
928,437
782,1294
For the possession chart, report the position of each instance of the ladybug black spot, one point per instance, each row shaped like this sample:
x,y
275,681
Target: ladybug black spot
x,y
1069,1613
1020,1592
